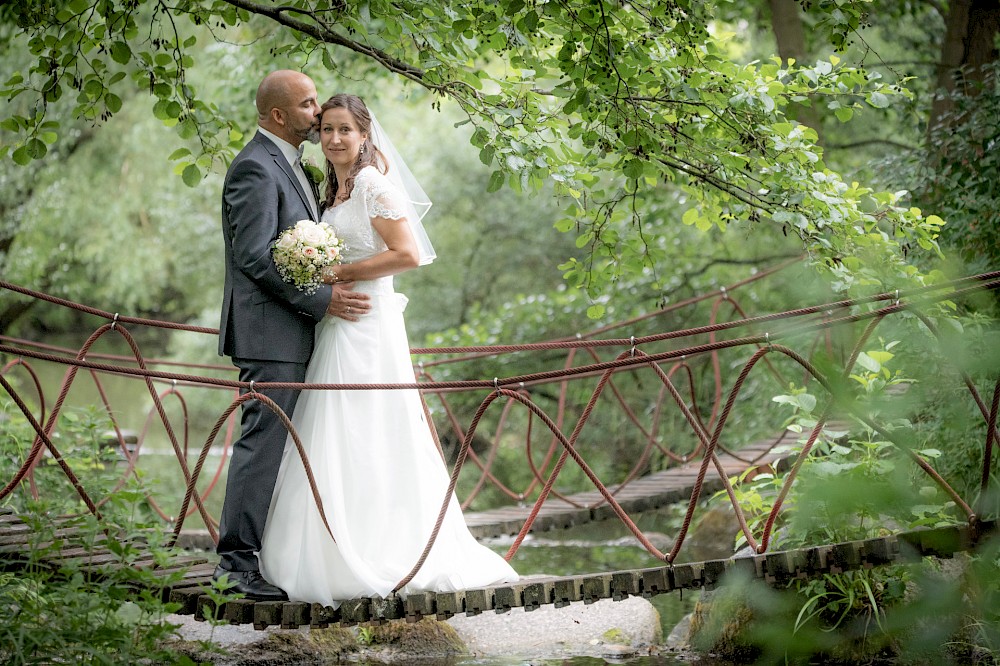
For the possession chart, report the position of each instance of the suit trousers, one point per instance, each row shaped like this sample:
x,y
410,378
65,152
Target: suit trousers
x,y
253,468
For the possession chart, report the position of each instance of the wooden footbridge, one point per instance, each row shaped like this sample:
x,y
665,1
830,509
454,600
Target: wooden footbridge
x,y
674,458
777,568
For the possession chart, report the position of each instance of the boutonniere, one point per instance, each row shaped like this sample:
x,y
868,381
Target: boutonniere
x,y
314,173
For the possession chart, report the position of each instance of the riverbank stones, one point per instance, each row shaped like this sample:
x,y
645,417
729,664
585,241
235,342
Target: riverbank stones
x,y
613,629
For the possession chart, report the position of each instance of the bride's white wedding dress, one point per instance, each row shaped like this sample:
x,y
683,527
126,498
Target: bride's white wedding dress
x,y
380,475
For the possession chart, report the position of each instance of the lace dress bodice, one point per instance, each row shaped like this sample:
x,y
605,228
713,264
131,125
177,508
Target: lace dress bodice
x,y
373,195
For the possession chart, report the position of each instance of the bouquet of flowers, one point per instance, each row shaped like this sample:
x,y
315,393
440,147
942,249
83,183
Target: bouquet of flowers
x,y
301,252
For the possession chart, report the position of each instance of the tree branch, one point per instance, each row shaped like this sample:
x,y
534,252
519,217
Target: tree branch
x,y
328,36
754,261
868,142
13,312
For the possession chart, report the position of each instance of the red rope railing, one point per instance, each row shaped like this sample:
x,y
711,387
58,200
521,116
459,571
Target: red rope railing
x,y
816,321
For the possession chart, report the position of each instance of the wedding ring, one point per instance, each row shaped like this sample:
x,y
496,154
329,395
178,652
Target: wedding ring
x,y
349,309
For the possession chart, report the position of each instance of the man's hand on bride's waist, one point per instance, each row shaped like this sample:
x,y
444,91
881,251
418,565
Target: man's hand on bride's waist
x,y
347,304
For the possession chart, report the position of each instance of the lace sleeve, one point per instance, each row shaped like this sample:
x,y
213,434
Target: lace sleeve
x,y
382,198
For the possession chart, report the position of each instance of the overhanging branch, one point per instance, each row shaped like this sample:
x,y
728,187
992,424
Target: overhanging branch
x,y
321,32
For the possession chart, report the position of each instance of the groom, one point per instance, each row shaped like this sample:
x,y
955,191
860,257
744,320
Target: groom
x,y
267,324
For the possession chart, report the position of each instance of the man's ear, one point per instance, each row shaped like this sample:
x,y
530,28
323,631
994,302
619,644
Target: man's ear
x,y
278,116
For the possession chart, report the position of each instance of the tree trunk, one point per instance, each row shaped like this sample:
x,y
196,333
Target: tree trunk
x,y
968,44
786,23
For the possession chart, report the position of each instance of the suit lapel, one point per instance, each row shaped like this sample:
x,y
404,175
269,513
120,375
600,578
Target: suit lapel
x,y
279,159
315,190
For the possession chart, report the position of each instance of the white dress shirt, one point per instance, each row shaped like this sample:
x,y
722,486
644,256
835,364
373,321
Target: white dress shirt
x,y
294,157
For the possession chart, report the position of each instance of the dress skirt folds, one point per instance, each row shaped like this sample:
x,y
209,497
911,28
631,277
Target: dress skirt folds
x,y
378,470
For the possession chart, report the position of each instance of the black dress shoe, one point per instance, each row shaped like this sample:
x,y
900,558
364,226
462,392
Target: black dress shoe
x,y
251,584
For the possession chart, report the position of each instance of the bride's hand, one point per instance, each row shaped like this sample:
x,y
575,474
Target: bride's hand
x,y
347,304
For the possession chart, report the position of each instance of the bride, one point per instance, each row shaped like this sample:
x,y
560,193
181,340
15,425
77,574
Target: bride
x,y
378,470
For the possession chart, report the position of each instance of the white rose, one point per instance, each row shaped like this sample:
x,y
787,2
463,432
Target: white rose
x,y
285,241
314,236
309,252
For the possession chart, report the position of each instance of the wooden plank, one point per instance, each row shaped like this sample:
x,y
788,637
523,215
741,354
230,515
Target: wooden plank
x,y
596,587
266,614
389,608
506,597
295,614
478,600
624,584
418,606
321,617
654,581
647,493
355,611
567,590
187,598
537,594
449,604
239,611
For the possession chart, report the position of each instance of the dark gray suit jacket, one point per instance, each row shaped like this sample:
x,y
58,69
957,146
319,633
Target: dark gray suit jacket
x,y
264,317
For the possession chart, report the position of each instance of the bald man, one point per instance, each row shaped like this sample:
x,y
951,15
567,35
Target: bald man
x,y
267,324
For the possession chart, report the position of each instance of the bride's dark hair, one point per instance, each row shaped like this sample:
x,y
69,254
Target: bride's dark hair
x,y
370,154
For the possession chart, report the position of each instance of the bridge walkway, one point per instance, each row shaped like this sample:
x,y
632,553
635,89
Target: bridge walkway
x,y
646,493
777,568
185,577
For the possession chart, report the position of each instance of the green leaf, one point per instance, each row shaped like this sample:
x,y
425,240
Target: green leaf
x,y
160,109
187,129
633,169
868,363
596,311
565,224
880,357
93,87
121,53
37,148
21,156
191,175
867,204
878,100
479,137
113,102
496,181
530,21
